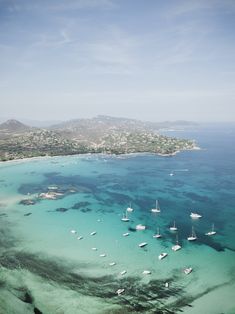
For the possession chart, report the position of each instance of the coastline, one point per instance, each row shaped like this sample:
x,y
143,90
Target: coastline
x,y
107,154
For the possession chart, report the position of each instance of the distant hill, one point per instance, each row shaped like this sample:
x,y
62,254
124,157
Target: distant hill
x,y
120,122
97,126
14,126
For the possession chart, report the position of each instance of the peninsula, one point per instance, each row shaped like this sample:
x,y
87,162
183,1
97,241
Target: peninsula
x,y
101,134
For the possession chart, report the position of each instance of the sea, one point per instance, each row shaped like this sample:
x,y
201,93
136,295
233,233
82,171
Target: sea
x,y
68,254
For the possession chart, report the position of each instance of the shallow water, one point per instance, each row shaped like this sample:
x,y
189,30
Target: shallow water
x,y
41,257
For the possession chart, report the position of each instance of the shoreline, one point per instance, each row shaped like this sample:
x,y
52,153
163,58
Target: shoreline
x,y
106,154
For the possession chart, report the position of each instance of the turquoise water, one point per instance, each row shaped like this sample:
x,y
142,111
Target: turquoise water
x,y
40,256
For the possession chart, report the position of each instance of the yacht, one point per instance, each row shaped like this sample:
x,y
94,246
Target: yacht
x,y
120,291
140,227
176,247
125,217
212,232
195,215
156,209
173,228
162,255
103,255
193,236
188,270
157,235
130,209
143,244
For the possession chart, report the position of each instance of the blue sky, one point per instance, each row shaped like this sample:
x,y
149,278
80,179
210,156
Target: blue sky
x,y
152,60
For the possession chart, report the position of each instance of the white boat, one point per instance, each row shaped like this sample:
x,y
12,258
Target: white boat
x,y
126,234
94,248
143,244
167,284
146,272
195,215
80,238
103,255
212,232
112,264
156,209
173,228
188,270
123,272
140,227
120,291
171,174
93,233
130,209
125,217
162,255
73,231
157,235
193,236
176,247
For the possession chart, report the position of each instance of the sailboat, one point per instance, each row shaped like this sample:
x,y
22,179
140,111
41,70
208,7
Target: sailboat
x,y
157,235
130,209
125,217
212,232
176,247
193,237
173,228
156,209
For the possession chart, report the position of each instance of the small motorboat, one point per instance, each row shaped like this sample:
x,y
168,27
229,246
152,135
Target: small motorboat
x,y
195,215
112,264
143,244
162,255
140,227
146,272
123,272
120,291
93,233
103,255
188,270
126,234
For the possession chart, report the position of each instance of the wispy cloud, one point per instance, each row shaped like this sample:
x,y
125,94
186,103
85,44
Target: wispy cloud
x,y
58,5
184,7
55,40
82,4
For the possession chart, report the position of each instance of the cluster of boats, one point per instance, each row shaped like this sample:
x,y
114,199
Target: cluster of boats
x,y
173,228
157,209
177,246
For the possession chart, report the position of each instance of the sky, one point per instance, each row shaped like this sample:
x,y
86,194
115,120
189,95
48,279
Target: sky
x,y
146,59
